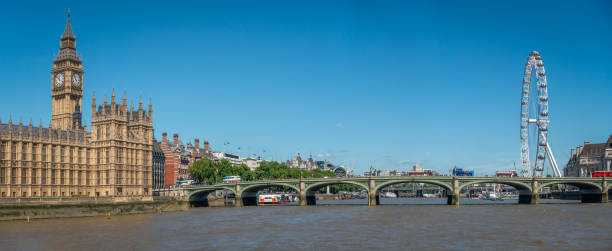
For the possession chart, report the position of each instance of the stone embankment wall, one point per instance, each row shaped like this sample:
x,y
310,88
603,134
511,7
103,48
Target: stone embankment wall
x,y
64,209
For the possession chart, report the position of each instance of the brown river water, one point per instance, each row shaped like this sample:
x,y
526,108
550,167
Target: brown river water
x,y
339,225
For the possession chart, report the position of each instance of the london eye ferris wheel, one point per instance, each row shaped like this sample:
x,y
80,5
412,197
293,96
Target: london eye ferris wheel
x,y
540,119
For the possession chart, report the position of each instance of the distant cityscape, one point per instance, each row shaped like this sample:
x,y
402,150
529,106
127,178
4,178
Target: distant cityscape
x,y
175,157
584,161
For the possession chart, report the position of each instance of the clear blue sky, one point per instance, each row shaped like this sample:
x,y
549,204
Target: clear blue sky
x,y
387,83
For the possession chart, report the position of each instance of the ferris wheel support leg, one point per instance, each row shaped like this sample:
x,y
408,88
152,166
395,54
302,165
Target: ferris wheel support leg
x,y
552,160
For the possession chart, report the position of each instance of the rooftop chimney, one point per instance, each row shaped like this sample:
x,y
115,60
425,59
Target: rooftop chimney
x,y
586,142
206,148
196,143
573,153
164,137
175,140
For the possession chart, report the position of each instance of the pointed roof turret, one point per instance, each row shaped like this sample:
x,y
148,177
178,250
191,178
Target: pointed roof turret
x,y
113,97
68,45
150,109
68,31
124,99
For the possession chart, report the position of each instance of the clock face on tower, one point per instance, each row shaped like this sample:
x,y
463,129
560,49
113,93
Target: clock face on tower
x,y
76,79
59,80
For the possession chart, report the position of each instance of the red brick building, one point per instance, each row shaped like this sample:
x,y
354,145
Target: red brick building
x,y
171,164
179,157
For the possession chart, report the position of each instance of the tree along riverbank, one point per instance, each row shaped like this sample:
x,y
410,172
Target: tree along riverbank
x,y
211,172
106,207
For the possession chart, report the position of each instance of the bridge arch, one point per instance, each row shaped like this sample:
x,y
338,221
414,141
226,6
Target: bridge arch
x,y
199,197
393,182
318,185
248,193
447,187
257,187
310,189
590,191
582,185
523,188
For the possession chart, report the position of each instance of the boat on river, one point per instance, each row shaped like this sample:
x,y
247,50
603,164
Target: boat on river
x,y
268,199
274,199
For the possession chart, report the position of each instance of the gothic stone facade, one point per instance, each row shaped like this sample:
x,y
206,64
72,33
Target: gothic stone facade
x,y
297,162
114,159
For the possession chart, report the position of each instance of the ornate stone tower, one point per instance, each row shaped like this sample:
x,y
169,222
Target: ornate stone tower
x,y
123,140
67,84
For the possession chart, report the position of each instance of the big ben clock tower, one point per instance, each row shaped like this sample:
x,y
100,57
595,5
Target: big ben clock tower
x,y
67,84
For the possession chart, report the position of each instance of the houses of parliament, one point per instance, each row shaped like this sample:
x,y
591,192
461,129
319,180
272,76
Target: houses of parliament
x,y
112,159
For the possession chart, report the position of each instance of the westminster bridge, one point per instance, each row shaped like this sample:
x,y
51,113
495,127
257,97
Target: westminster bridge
x,y
592,190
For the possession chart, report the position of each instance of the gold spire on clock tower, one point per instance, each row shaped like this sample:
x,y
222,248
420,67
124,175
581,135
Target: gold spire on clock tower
x,y
67,84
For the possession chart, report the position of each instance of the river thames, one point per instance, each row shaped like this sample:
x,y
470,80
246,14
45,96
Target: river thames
x,y
329,227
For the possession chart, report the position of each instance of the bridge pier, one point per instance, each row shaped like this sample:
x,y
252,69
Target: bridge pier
x,y
303,200
532,198
372,198
453,197
238,196
604,192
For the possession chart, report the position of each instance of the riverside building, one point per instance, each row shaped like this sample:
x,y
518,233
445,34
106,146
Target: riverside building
x,y
65,159
178,158
159,161
588,158
297,162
